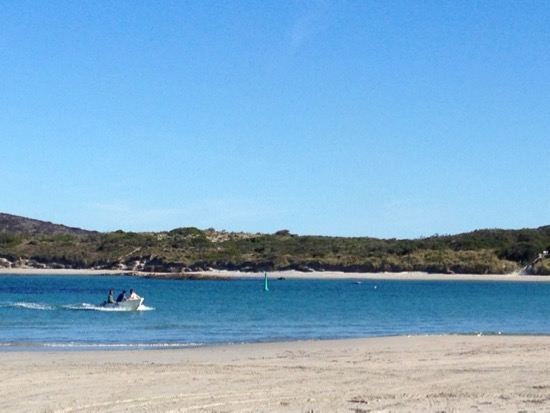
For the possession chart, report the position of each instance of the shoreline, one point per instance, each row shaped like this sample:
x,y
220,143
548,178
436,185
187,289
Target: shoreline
x,y
405,373
218,274
135,349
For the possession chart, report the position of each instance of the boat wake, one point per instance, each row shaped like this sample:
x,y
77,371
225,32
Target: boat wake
x,y
74,307
29,306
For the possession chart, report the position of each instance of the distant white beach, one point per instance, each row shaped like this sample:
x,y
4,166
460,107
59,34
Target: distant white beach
x,y
315,275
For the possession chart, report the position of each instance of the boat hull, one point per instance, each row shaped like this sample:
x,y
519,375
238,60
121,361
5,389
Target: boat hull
x,y
128,305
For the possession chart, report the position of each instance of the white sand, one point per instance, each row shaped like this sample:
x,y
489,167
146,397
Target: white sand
x,y
295,275
380,276
429,373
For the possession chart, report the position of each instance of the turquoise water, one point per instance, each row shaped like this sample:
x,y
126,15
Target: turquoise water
x,y
62,312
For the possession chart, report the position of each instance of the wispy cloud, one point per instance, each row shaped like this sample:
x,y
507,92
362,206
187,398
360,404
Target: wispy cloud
x,y
312,20
417,217
127,216
235,214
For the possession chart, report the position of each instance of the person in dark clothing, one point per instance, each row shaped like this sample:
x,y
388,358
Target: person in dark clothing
x,y
121,297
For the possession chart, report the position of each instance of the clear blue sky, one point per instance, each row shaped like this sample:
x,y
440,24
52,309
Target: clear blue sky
x,y
357,118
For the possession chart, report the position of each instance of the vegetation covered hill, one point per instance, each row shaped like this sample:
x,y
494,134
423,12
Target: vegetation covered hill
x,y
30,243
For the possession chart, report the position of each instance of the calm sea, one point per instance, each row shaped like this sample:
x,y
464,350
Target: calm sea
x,y
63,312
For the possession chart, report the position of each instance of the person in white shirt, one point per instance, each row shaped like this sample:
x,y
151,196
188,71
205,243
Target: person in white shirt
x,y
133,295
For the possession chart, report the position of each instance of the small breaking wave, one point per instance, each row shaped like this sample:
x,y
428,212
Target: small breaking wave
x,y
121,346
80,346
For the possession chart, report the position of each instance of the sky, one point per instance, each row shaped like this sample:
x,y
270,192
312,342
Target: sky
x,y
387,119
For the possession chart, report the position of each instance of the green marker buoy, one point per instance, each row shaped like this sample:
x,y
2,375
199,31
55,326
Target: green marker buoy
x,y
266,288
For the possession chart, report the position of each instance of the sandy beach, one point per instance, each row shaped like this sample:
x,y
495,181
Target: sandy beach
x,y
287,275
394,374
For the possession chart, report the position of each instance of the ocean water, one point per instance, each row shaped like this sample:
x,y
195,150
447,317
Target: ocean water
x,y
63,312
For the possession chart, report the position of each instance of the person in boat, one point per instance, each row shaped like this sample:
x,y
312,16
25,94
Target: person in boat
x,y
111,297
133,295
121,297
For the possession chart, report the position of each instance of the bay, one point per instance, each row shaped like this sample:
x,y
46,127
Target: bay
x,y
63,312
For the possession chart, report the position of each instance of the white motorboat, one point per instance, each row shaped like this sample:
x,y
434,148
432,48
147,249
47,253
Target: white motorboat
x,y
128,305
